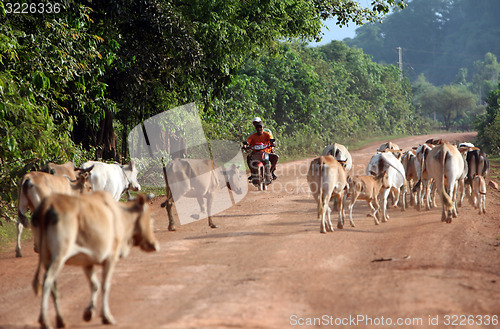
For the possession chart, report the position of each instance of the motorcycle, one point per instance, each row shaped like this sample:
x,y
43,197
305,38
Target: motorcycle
x,y
260,167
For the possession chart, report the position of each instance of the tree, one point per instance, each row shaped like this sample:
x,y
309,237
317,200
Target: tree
x,y
454,100
488,125
486,75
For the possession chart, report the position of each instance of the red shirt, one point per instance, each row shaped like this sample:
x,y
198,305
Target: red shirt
x,y
265,139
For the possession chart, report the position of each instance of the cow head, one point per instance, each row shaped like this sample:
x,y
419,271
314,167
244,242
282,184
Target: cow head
x,y
233,179
82,182
130,172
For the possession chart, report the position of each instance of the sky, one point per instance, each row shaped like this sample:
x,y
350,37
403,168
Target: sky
x,y
333,32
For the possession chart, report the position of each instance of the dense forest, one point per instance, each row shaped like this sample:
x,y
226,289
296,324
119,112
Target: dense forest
x,y
74,81
442,39
449,52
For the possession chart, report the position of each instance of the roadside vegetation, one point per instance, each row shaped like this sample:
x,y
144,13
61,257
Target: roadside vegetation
x,y
73,84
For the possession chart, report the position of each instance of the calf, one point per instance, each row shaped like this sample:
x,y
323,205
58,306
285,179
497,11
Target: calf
x,y
114,178
35,186
478,195
87,230
367,188
327,178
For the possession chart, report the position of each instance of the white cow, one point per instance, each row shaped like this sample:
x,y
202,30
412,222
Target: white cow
x,y
339,152
200,179
389,146
396,177
445,165
113,178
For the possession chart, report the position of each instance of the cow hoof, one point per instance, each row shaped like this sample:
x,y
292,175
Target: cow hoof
x,y
108,320
19,254
213,226
172,228
60,322
339,226
88,314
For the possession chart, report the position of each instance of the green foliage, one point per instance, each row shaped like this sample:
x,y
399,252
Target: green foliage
x,y
488,125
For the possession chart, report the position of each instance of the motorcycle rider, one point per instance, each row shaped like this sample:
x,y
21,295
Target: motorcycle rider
x,y
264,137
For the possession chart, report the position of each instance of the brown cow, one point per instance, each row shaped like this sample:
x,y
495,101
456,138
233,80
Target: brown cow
x,y
367,187
412,171
87,230
327,179
66,169
35,186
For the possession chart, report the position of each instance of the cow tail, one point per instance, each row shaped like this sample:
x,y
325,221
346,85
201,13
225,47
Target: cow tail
x,y
321,189
446,197
37,287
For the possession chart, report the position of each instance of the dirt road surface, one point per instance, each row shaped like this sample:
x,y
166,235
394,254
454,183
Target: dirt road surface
x,y
268,266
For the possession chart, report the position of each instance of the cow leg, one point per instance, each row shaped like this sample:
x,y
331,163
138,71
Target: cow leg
x,y
483,203
329,225
420,196
322,225
340,223
385,195
91,310
48,289
210,200
432,201
453,194
55,297
201,202
461,195
353,201
323,213
169,203
107,272
374,209
19,232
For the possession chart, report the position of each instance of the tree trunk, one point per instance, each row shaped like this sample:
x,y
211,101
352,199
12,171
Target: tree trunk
x,y
106,140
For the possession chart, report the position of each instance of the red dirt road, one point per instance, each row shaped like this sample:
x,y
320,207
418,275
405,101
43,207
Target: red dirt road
x,y
267,266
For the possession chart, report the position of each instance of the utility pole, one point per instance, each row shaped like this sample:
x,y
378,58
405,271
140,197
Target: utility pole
x,y
400,62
